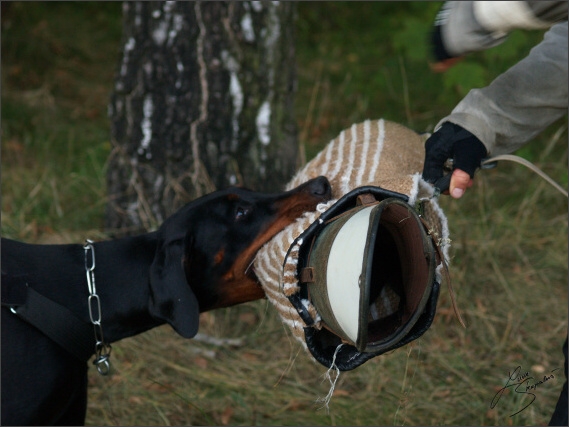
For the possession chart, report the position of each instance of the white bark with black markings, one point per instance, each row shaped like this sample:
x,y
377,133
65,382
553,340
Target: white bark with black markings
x,y
203,99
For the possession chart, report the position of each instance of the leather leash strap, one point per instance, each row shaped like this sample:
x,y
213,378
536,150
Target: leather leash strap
x,y
526,163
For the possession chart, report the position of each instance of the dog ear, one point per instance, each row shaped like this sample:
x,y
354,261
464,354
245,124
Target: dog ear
x,y
171,298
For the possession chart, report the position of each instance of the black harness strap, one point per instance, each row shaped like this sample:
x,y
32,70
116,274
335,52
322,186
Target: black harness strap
x,y
51,318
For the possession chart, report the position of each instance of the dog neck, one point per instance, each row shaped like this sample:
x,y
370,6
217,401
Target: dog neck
x,y
122,279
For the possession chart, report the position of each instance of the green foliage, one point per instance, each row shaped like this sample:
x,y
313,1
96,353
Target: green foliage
x,y
412,39
464,76
476,70
56,79
379,67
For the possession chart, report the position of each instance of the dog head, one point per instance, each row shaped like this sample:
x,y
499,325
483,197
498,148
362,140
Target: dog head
x,y
206,248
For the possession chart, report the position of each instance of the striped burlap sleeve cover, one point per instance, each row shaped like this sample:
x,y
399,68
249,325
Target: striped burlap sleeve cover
x,y
375,152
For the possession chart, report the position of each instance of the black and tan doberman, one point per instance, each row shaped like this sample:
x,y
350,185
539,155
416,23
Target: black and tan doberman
x,y
198,260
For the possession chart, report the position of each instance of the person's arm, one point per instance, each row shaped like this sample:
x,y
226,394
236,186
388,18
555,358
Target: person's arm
x,y
521,102
512,110
462,27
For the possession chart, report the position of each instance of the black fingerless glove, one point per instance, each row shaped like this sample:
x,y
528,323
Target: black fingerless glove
x,y
451,142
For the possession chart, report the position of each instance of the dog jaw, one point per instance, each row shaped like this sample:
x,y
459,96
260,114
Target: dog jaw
x,y
240,284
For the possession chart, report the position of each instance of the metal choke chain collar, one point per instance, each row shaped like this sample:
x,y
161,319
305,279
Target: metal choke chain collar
x,y
102,349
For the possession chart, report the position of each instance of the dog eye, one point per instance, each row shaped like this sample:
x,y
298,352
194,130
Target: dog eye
x,y
241,212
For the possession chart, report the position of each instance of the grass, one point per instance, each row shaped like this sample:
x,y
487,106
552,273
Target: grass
x,y
55,137
509,252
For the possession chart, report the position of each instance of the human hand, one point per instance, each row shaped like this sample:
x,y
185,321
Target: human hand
x,y
443,58
451,141
443,65
457,32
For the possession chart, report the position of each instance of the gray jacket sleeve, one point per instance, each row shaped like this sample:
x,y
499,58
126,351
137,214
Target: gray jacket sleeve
x,y
521,102
470,26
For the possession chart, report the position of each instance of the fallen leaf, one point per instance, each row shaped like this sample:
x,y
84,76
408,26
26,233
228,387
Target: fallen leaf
x,y
250,357
226,416
248,318
442,393
201,362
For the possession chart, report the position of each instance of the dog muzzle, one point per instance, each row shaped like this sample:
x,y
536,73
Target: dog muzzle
x,y
366,274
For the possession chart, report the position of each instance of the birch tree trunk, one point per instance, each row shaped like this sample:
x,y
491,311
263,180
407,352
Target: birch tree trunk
x,y
203,99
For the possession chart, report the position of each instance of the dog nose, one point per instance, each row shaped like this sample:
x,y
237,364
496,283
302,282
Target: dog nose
x,y
320,186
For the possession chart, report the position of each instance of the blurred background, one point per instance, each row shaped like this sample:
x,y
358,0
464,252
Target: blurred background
x,y
355,60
